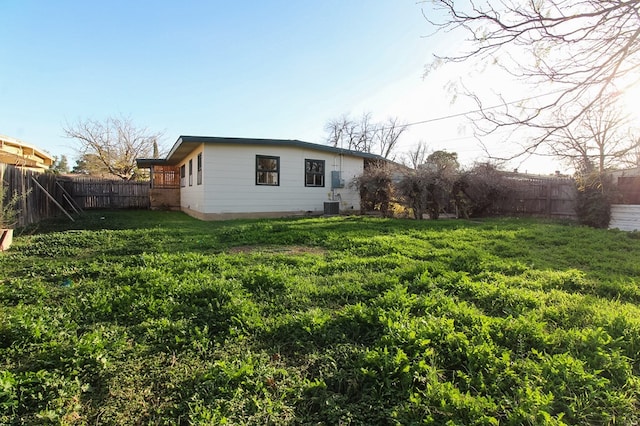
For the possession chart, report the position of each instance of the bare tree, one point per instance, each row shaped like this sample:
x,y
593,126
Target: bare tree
x,y
387,135
340,132
579,52
602,138
365,135
366,131
635,155
114,143
416,156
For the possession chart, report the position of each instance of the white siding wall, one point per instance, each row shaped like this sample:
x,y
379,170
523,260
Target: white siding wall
x,y
625,217
192,197
229,181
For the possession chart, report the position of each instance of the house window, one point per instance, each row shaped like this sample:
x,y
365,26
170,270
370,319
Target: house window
x,y
199,175
191,172
183,175
267,170
313,172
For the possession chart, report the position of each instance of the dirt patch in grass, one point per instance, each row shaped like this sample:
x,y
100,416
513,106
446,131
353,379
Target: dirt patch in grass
x,y
278,250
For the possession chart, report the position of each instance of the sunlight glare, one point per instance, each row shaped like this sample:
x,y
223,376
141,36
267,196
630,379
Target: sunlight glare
x,y
631,102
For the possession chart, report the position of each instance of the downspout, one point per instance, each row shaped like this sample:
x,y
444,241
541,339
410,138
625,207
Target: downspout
x,y
334,195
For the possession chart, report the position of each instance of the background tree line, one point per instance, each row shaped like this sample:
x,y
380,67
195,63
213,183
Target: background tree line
x,y
432,187
583,55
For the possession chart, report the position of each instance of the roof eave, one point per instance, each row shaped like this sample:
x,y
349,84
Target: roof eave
x,y
186,144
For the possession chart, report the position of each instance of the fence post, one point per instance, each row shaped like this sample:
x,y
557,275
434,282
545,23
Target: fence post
x,y
549,201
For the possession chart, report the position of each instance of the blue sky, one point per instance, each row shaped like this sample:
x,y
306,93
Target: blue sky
x,y
277,69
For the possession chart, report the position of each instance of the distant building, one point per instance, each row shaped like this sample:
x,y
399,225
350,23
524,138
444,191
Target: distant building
x,y
628,186
20,154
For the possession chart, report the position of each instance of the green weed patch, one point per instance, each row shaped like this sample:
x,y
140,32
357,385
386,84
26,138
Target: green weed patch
x,y
157,318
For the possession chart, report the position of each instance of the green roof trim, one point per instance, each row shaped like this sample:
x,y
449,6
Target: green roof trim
x,y
185,144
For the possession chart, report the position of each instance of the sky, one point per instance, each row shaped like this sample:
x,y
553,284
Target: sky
x,y
277,69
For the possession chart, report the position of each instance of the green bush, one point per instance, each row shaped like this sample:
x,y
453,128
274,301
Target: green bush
x,y
594,199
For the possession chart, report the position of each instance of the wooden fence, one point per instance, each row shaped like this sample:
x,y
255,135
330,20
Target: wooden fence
x,y
44,195
547,196
519,194
629,189
529,195
33,204
92,193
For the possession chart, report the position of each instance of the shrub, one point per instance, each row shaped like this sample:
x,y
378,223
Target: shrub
x,y
414,192
595,196
376,189
8,208
427,188
481,190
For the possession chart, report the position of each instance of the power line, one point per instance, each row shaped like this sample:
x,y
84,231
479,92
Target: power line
x,y
447,117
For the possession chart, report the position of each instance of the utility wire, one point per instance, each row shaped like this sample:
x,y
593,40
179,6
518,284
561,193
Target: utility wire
x,y
460,114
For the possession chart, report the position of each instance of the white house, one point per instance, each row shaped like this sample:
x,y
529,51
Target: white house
x,y
224,178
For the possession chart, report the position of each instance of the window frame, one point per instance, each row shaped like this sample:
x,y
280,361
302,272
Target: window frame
x,y
183,175
308,173
259,171
199,169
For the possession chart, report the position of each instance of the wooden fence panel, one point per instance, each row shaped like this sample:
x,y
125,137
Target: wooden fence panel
x,y
91,193
34,204
88,193
540,196
629,188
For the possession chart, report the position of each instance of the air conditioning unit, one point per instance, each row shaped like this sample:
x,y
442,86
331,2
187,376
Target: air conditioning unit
x,y
331,208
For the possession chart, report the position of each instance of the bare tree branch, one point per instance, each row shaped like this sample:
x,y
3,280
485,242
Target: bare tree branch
x,y
387,136
583,51
603,138
115,143
365,136
417,156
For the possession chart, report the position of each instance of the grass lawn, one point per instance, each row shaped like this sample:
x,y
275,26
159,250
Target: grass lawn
x,y
127,317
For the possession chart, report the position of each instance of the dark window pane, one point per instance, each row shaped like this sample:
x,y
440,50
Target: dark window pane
x,y
314,172
267,170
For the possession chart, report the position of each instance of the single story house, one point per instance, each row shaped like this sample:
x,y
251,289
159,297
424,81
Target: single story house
x,y
20,154
214,178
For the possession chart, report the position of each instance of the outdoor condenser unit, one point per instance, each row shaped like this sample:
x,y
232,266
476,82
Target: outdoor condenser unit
x,y
331,208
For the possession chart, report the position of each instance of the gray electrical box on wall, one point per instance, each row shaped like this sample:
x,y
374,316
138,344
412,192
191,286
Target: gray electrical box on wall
x,y
336,179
